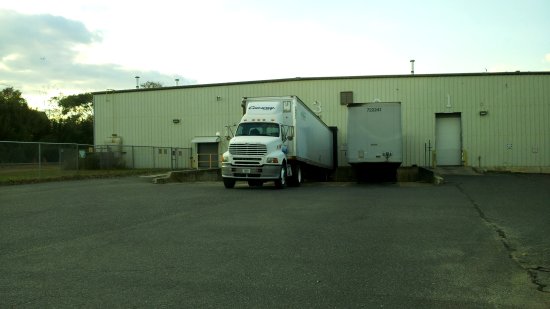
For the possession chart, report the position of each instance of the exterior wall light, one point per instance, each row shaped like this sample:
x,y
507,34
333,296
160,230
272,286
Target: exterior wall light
x,y
176,121
483,113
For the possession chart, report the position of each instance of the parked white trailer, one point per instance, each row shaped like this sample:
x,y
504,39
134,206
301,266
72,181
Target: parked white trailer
x,y
375,139
277,138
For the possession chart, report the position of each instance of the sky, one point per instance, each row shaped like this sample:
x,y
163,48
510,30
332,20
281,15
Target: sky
x,y
62,47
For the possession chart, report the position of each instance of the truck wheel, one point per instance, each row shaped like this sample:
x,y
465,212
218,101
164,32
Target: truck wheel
x,y
229,183
281,182
296,179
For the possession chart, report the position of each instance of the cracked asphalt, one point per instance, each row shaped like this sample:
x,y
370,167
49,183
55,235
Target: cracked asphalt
x,y
517,208
473,242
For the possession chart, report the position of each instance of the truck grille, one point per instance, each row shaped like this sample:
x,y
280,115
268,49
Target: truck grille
x,y
248,149
247,161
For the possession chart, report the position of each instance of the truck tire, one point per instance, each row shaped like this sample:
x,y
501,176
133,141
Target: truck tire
x,y
281,182
229,183
296,179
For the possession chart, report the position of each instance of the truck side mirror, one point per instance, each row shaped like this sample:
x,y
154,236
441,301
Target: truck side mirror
x,y
290,133
287,133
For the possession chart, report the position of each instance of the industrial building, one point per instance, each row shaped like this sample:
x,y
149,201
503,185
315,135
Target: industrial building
x,y
492,121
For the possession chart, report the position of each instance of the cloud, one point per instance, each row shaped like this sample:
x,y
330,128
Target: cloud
x,y
39,55
34,38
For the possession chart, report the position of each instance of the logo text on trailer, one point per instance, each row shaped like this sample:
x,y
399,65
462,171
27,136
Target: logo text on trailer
x,y
264,108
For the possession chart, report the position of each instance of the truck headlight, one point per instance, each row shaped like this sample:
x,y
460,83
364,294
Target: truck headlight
x,y
225,158
272,160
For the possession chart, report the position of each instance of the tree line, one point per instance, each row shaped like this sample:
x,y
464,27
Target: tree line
x,y
70,122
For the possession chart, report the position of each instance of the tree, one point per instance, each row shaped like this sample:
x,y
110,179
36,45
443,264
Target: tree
x,y
80,105
17,121
72,130
150,84
74,121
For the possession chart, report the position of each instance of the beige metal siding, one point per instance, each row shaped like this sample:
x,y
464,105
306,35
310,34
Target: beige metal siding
x,y
518,107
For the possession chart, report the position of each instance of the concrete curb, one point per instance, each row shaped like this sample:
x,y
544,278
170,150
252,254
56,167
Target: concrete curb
x,y
412,174
188,176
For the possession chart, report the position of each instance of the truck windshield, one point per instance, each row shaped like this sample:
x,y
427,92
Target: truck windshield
x,y
258,129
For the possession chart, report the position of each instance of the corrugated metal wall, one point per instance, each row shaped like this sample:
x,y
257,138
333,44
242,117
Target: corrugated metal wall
x,y
515,133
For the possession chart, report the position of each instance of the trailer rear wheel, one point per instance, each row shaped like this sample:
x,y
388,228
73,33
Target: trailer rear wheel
x,y
229,183
281,182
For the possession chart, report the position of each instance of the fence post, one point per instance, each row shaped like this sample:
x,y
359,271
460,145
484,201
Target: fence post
x,y
77,157
39,160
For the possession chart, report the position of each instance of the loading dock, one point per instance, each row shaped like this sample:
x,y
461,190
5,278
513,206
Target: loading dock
x,y
491,121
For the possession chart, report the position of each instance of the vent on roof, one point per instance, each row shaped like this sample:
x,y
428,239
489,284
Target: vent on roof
x,y
346,97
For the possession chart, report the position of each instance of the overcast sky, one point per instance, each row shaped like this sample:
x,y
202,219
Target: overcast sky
x,y
72,46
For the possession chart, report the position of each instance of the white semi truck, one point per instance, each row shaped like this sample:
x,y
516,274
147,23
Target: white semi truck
x,y
375,140
277,139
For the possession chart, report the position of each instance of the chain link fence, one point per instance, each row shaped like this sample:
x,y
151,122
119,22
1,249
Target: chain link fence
x,y
32,159
139,157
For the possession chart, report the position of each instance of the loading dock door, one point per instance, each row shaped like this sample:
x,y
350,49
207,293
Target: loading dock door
x,y
207,155
207,151
448,139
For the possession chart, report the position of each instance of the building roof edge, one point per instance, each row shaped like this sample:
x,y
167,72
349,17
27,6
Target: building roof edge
x,y
264,81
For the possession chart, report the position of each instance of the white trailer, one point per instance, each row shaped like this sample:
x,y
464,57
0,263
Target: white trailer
x,y
375,139
277,138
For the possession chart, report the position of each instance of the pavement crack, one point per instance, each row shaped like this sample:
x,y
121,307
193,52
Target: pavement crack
x,y
498,230
542,268
533,272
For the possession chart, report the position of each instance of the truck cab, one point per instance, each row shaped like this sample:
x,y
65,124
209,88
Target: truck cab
x,y
258,151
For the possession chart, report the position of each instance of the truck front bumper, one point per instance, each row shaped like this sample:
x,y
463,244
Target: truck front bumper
x,y
267,172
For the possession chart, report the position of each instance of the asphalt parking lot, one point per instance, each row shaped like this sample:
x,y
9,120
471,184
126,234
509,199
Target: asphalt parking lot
x,y
473,242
